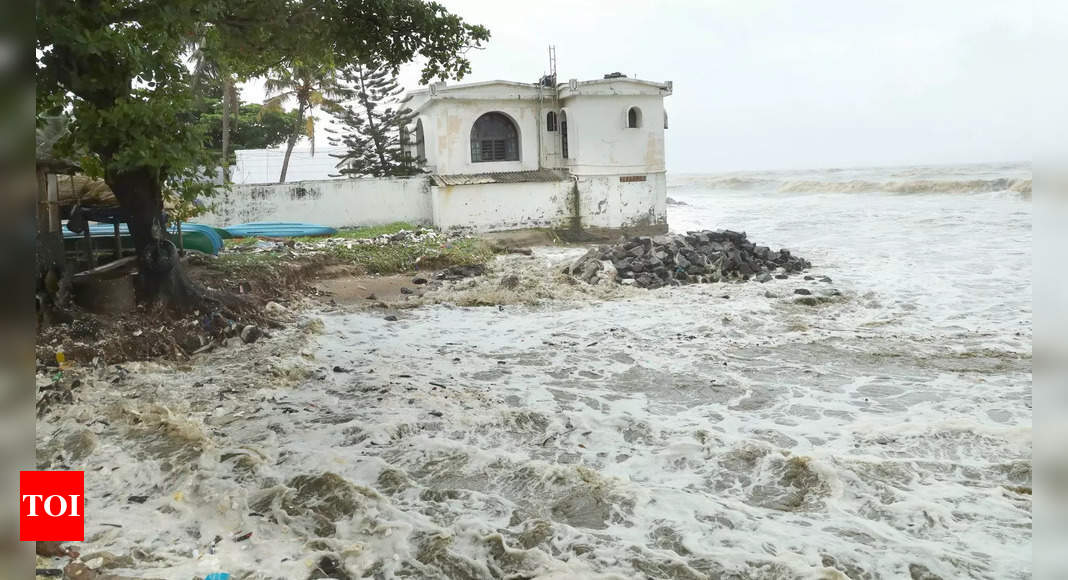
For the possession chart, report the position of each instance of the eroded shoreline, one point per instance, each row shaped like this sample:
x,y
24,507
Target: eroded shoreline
x,y
572,430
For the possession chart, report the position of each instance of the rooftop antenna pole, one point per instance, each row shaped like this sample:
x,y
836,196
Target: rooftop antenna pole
x,y
554,105
552,61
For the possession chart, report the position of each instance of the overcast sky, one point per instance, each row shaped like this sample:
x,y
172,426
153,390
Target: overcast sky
x,y
789,84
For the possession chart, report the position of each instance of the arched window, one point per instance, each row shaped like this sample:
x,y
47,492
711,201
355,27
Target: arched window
x,y
420,146
634,118
665,118
494,137
563,133
550,121
405,144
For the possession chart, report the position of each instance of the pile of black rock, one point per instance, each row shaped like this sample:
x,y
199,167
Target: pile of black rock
x,y
691,258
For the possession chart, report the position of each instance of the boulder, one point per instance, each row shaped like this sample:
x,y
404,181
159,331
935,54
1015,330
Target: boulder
x,y
510,282
250,334
274,309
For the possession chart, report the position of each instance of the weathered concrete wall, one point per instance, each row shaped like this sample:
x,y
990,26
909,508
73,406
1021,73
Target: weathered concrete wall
x,y
606,201
600,202
335,203
502,206
603,202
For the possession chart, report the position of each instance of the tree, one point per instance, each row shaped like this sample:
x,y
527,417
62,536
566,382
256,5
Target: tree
x,y
376,126
208,70
310,86
254,127
250,126
117,69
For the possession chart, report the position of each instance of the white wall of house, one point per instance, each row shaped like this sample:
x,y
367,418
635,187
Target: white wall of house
x,y
599,138
447,130
335,203
599,141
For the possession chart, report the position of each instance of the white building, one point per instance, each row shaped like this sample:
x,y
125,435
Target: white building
x,y
597,146
502,155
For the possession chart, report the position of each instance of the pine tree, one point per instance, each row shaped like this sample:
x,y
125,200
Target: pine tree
x,y
375,125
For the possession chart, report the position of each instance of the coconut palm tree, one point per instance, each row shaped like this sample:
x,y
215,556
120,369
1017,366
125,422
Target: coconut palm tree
x,y
310,86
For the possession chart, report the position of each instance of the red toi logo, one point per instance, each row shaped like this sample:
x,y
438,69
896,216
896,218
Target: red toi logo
x,y
52,506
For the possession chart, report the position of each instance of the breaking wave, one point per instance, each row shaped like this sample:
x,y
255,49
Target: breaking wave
x,y
916,186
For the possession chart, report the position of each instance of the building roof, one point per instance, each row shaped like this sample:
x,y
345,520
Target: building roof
x,y
614,85
440,87
501,89
540,175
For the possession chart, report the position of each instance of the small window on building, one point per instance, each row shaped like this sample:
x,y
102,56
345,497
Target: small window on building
x,y
494,137
563,133
665,118
550,121
634,118
420,147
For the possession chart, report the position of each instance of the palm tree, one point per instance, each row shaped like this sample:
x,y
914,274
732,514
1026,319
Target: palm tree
x,y
312,87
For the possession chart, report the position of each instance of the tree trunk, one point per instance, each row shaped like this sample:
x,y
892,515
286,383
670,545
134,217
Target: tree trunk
x,y
227,104
160,274
292,141
285,161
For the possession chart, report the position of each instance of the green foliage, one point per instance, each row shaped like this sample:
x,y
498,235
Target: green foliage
x,y
117,67
409,257
114,68
310,86
255,127
376,125
390,258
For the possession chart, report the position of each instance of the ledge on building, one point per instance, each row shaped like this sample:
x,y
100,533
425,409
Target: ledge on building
x,y
541,175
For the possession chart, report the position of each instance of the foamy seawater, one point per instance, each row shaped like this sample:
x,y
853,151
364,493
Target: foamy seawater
x,y
714,431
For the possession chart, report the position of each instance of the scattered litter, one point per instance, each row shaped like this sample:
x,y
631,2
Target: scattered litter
x,y
274,308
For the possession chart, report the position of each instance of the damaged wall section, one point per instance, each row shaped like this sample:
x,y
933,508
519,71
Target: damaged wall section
x,y
623,202
602,202
501,206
